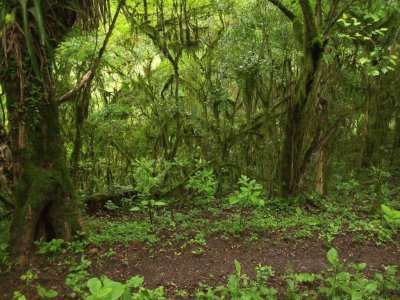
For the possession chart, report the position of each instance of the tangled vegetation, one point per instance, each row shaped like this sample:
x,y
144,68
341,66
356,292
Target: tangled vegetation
x,y
161,149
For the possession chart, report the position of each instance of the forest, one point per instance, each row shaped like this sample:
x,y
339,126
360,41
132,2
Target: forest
x,y
199,149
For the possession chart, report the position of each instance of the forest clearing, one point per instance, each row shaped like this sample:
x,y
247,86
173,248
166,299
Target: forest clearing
x,y
199,149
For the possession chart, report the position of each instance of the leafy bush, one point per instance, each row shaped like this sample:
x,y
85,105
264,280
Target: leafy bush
x,y
248,195
203,183
146,175
147,179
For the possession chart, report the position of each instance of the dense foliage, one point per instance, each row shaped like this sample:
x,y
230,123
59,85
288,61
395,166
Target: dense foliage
x,y
199,118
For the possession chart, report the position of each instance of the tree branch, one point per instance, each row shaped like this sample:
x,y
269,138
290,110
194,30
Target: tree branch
x,y
288,13
316,145
89,75
310,26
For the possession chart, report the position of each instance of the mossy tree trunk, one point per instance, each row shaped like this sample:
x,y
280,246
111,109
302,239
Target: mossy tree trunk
x,y
396,142
306,31
44,199
81,114
43,192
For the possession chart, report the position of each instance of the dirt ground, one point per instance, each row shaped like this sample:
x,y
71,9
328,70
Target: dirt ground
x,y
177,268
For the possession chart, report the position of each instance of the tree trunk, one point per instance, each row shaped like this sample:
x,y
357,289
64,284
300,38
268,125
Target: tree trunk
x,y
320,172
307,35
295,131
6,176
292,149
81,114
44,197
396,142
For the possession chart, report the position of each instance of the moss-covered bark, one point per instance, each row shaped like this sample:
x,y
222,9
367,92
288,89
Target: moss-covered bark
x,y
295,129
44,197
396,142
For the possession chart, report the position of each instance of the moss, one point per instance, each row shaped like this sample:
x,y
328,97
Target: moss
x,y
4,231
44,192
298,29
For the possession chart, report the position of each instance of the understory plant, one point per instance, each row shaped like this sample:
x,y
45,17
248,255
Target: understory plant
x,y
349,282
148,178
107,289
50,247
77,272
241,287
204,184
27,280
248,195
391,215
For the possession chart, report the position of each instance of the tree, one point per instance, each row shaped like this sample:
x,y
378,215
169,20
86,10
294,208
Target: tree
x,y
312,32
44,200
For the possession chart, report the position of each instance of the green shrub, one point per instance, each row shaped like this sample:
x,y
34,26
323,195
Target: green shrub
x,y
203,183
248,195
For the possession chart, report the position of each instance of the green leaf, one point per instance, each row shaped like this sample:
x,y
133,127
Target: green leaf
x,y
363,60
105,292
395,214
94,285
36,11
9,18
356,295
333,257
343,276
117,289
42,292
18,296
374,73
135,282
234,200
238,268
362,266
28,37
371,287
